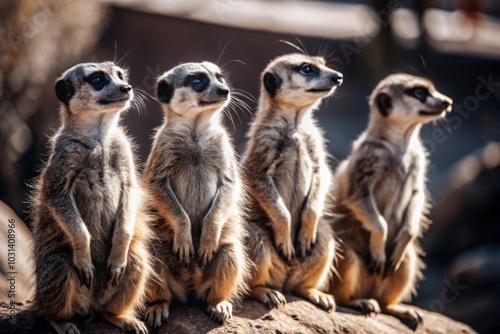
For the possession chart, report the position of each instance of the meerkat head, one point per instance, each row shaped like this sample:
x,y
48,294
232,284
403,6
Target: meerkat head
x,y
299,80
193,88
94,88
407,98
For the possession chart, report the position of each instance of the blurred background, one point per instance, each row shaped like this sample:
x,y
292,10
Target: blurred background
x,y
455,43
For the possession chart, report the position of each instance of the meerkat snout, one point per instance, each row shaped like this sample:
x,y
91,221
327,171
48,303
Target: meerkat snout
x,y
223,91
436,102
126,88
338,78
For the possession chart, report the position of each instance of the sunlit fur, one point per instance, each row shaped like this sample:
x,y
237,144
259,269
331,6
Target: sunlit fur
x,y
288,175
89,226
198,195
381,200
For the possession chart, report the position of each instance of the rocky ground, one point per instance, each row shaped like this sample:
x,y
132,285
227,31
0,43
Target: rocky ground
x,y
297,317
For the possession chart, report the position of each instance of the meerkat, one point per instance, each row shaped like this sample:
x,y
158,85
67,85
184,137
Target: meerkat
x,y
381,201
89,226
198,195
288,176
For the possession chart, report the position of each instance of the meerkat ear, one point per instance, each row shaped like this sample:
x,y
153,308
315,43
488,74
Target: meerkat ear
x,y
384,103
272,82
164,92
64,90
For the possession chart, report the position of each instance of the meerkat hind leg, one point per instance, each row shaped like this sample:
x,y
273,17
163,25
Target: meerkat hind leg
x,y
268,296
126,323
220,311
413,318
314,270
319,298
223,279
365,306
158,313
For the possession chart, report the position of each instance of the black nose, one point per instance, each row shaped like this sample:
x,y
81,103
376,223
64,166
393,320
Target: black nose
x,y
447,102
337,78
223,91
126,88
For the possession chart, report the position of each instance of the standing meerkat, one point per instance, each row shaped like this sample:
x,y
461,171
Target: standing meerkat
x,y
89,227
381,198
194,179
288,176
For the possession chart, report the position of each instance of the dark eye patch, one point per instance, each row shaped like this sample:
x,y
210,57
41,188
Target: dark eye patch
x,y
419,92
307,69
198,81
97,80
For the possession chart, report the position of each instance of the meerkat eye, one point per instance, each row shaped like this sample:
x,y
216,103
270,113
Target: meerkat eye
x,y
420,92
220,78
198,82
120,75
305,69
97,80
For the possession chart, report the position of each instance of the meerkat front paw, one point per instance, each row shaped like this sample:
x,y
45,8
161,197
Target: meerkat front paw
x,y
84,269
392,265
305,242
375,262
116,267
221,311
274,298
307,235
412,317
396,257
183,246
208,247
126,323
284,246
158,314
321,299
367,307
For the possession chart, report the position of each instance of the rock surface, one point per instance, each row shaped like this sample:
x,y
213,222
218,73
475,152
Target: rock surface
x,y
297,317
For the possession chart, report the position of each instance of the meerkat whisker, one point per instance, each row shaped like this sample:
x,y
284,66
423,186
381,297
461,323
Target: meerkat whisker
x,y
245,94
230,116
222,53
139,102
233,108
298,48
233,61
242,105
144,92
122,58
